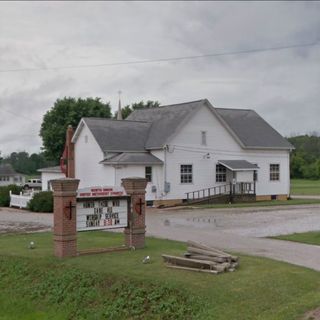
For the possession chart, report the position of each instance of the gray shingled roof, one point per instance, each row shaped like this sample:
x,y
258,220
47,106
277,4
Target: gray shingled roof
x,y
133,158
7,170
252,130
165,120
116,135
147,129
238,165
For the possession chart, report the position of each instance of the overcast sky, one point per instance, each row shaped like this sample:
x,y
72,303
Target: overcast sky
x,y
283,86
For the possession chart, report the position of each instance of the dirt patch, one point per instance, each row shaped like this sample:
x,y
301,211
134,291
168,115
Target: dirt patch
x,y
312,315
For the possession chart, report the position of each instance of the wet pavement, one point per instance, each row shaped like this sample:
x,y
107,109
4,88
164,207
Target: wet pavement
x,y
241,230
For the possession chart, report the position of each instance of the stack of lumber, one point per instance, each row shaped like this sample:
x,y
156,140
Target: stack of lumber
x,y
203,258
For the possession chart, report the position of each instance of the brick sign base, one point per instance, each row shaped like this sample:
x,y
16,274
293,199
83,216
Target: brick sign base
x,y
65,220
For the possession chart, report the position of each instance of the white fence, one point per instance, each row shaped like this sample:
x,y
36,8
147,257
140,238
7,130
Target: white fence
x,y
20,200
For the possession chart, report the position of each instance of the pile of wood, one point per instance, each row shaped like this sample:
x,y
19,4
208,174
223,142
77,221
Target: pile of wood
x,y
202,258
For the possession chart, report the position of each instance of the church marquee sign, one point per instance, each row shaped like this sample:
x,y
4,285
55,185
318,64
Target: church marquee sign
x,y
102,208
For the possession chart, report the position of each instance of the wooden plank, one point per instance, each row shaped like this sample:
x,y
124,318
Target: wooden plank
x,y
187,262
203,257
211,253
205,247
206,253
193,269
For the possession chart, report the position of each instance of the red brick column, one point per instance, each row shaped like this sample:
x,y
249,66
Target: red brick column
x,y
70,153
135,232
64,217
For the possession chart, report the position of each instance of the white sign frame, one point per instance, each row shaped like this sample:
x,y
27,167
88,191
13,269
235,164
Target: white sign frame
x,y
100,208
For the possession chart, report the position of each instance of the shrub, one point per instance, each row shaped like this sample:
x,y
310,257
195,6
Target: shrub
x,y
5,194
41,202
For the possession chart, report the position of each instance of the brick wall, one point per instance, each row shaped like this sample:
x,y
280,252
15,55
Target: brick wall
x,y
135,232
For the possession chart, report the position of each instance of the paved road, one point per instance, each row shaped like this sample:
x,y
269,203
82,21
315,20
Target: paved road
x,y
239,229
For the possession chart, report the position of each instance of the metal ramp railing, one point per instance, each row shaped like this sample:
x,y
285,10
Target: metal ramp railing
x,y
239,188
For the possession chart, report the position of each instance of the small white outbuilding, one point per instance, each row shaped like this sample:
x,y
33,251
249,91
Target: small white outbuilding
x,y
48,174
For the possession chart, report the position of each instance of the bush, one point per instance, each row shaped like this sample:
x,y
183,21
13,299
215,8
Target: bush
x,y
5,194
41,202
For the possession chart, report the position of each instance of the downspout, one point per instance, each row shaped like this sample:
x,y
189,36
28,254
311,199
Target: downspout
x,y
165,168
289,180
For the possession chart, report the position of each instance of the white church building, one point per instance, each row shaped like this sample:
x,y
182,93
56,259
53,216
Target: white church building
x,y
187,150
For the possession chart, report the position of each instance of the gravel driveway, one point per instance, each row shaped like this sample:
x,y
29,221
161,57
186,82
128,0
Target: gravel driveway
x,y
16,220
249,222
240,230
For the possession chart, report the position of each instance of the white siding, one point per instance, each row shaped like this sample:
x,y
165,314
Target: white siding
x,y
186,148
139,171
87,157
7,180
244,176
47,176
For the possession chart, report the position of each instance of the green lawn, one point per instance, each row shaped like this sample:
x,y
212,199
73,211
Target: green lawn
x,y
36,285
312,237
305,187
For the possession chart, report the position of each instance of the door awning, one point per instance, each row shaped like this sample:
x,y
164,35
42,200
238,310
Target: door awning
x,y
238,165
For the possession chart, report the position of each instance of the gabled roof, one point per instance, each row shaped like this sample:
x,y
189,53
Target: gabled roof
x,y
7,170
152,128
165,120
238,165
133,158
251,130
116,135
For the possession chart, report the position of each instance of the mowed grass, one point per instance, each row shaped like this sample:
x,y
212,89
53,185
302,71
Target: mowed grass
x,y
305,187
312,237
36,285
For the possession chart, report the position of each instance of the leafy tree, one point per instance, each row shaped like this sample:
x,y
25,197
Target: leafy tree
x,y
27,164
145,105
67,111
297,164
127,110
305,159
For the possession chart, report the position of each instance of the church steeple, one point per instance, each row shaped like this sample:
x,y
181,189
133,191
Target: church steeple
x,y
119,115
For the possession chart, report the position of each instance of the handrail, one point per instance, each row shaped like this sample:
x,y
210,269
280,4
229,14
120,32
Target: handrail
x,y
232,189
208,192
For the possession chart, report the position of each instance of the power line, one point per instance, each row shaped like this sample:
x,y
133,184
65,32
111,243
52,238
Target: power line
x,y
21,116
216,151
219,54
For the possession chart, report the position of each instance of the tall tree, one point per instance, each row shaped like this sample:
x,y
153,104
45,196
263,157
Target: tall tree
x,y
68,111
127,110
304,162
24,163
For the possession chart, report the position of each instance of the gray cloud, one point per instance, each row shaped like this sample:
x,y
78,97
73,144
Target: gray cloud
x,y
283,86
